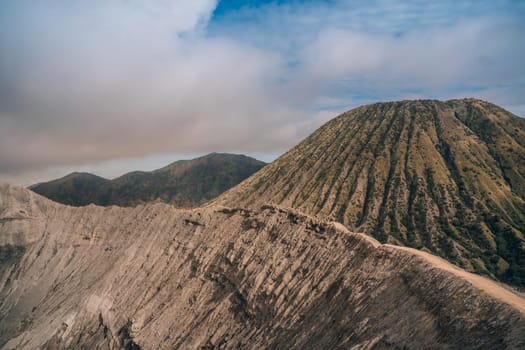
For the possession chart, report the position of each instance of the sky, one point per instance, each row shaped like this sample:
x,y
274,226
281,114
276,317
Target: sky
x,y
118,85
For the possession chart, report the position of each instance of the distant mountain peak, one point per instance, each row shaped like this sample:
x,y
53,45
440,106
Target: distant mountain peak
x,y
184,183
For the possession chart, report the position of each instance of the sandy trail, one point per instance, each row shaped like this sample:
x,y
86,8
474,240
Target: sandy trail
x,y
484,284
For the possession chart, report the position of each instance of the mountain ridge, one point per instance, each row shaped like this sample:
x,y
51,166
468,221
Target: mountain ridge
x,y
448,177
266,278
184,183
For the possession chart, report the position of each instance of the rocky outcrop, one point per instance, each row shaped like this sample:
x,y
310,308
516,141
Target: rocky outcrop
x,y
156,277
447,177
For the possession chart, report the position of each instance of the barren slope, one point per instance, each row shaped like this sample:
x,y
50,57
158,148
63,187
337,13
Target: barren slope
x,y
448,177
155,277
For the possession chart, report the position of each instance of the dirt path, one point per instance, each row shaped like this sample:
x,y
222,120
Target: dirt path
x,y
490,287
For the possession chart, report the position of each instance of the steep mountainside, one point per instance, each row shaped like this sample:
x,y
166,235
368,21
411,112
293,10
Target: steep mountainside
x,y
156,277
185,183
448,177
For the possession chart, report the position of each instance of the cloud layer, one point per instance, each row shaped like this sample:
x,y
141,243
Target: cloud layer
x,y
146,82
94,81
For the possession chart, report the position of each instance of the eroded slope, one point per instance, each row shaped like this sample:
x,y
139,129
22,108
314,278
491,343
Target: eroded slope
x,y
155,277
448,177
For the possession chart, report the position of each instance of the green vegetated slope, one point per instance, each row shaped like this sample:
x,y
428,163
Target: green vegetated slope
x,y
185,183
448,177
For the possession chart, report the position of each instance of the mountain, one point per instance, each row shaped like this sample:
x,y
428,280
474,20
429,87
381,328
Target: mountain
x,y
157,277
444,177
185,183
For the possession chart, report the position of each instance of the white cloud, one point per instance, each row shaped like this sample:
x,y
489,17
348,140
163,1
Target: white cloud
x,y
94,81
472,58
144,83
470,53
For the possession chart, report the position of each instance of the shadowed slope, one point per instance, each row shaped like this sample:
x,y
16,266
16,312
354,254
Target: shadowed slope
x,y
448,177
156,277
185,183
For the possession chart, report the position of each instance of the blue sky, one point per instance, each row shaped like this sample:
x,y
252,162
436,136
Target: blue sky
x,y
112,86
288,26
